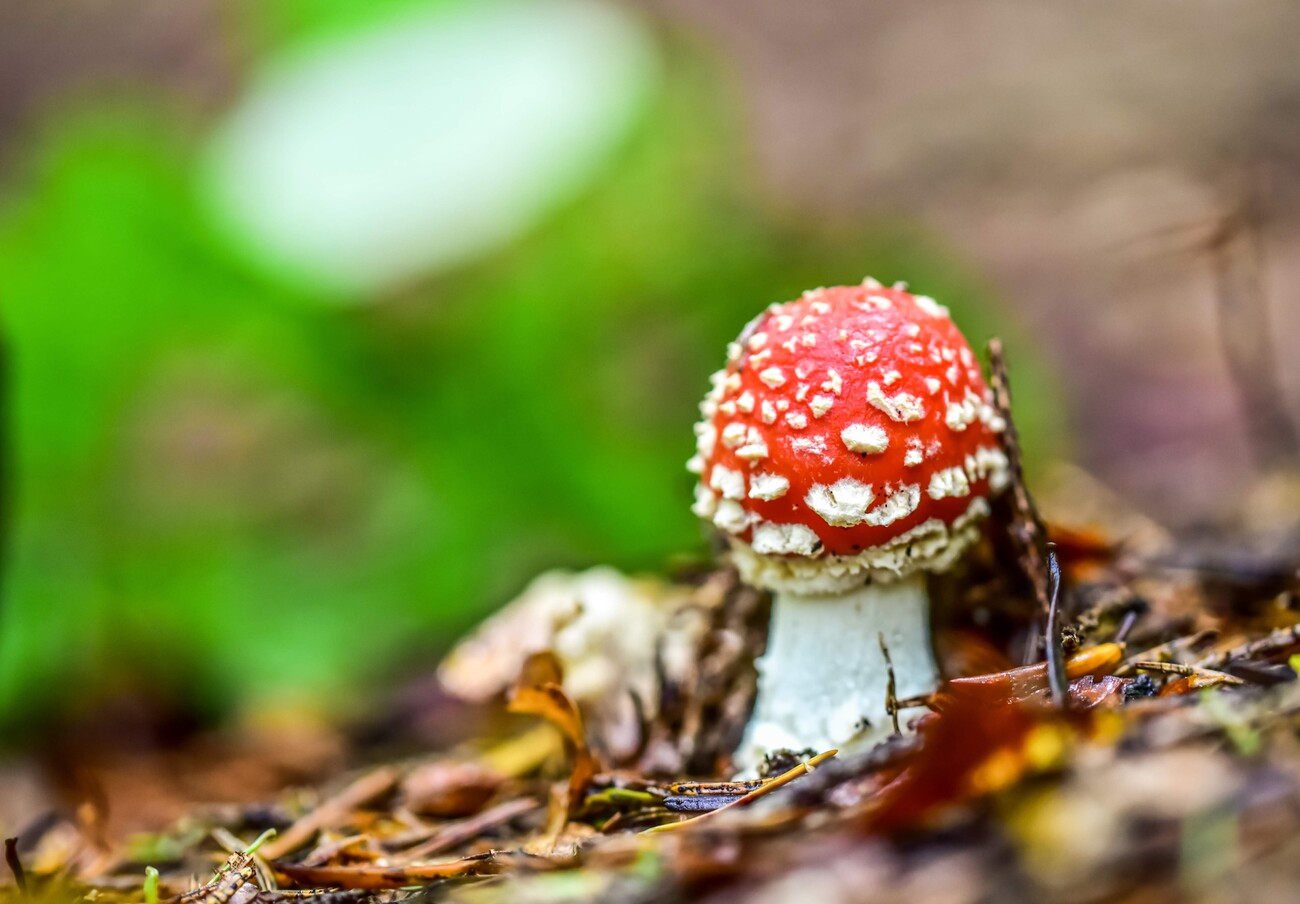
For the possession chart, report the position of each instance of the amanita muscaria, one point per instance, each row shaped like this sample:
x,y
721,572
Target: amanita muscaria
x,y
848,447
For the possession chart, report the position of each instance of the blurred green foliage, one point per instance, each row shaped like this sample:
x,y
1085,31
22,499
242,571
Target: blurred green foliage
x,y
230,490
286,22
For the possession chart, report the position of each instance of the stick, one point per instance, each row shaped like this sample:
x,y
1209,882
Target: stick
x,y
1279,640
1026,529
1178,668
15,865
332,811
467,830
891,688
1168,648
784,778
1056,677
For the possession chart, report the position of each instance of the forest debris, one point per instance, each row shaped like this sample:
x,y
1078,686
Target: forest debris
x,y
707,676
1095,822
1089,691
238,872
1057,681
1277,642
1126,626
1081,549
262,870
1026,528
388,877
1178,668
524,753
333,811
967,766
539,693
353,846
1192,678
1188,684
891,685
766,787
546,841
1264,673
1113,602
456,834
1016,799
448,788
602,626
15,865
920,701
1027,680
311,896
662,672
969,747
1170,650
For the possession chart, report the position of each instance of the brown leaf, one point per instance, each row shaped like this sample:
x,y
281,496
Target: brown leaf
x,y
332,812
1026,681
1089,691
448,789
384,877
467,830
1079,547
548,700
961,745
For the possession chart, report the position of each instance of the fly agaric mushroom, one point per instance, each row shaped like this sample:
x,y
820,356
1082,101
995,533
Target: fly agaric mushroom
x,y
848,447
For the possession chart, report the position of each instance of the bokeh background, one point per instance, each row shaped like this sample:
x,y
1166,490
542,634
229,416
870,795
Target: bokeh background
x,y
329,324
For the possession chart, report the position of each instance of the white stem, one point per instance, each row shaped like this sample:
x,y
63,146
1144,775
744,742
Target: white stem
x,y
823,681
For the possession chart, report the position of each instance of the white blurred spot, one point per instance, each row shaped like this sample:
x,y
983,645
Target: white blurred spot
x,y
367,160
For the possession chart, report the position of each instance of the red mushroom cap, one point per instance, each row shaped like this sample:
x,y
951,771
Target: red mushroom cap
x,y
851,435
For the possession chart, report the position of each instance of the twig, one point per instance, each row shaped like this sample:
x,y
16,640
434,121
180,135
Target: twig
x,y
1022,682
332,811
1278,641
1026,530
236,847
15,865
1029,655
1178,668
467,830
1056,677
891,688
1111,603
784,778
1126,626
390,877
920,700
237,872
1169,648
323,854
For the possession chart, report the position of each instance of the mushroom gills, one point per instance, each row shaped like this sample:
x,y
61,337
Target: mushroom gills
x,y
823,680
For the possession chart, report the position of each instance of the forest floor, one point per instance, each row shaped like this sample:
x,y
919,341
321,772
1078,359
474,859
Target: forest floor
x,y
1121,727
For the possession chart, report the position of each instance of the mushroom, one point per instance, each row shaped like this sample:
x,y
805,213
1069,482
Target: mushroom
x,y
849,446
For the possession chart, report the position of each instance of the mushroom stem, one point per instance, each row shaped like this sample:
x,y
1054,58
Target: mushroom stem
x,y
823,680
